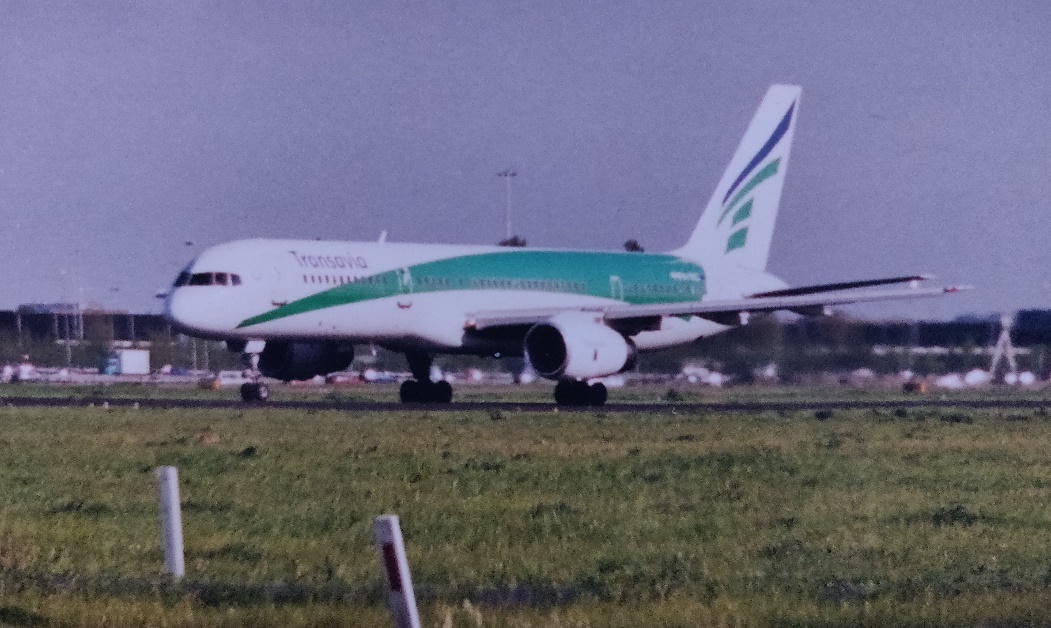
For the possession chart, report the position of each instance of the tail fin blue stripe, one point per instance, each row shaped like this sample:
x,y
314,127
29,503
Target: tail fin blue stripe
x,y
779,132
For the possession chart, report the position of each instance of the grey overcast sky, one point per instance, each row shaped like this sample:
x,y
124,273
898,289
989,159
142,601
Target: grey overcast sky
x,y
128,128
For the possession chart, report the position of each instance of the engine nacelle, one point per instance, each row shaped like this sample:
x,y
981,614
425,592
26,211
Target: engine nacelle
x,y
578,346
303,360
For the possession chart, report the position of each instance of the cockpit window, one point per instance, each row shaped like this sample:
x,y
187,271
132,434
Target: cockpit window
x,y
208,279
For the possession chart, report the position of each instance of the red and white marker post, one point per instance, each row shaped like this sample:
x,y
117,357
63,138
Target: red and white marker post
x,y
387,532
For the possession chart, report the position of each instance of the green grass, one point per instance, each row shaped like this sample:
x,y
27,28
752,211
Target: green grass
x,y
917,517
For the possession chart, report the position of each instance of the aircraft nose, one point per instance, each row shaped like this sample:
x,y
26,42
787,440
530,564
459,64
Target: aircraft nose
x,y
196,311
179,309
206,311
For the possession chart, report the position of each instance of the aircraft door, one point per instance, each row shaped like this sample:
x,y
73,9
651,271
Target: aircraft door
x,y
278,291
405,288
616,287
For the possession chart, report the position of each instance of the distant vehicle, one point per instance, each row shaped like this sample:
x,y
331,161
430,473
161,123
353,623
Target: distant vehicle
x,y
297,307
373,376
25,372
127,362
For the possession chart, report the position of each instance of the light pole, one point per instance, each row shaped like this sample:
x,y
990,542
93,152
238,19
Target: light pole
x,y
508,174
66,312
193,341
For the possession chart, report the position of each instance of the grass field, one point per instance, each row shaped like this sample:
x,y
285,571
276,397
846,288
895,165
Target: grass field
x,y
672,393
903,517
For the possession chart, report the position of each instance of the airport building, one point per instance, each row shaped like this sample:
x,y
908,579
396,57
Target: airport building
x,y
62,334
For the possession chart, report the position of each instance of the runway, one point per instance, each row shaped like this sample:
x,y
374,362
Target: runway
x,y
630,408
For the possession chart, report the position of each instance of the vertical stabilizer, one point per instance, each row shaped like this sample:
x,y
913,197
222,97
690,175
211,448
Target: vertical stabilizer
x,y
738,224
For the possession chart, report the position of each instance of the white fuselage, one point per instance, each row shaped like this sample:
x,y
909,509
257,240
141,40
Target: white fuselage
x,y
413,296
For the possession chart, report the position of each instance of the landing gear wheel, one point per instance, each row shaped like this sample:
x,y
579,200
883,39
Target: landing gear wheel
x,y
572,392
443,392
563,395
251,392
413,391
410,391
597,394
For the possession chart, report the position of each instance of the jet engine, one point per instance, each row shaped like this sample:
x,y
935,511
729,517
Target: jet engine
x,y
576,345
302,360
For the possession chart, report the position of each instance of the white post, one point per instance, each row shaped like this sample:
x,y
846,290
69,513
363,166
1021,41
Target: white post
x,y
171,521
387,532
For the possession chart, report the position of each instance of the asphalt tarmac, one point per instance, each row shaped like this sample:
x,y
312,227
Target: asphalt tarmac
x,y
647,408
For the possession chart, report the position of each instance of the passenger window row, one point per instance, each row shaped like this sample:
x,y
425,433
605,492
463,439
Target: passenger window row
x,y
339,280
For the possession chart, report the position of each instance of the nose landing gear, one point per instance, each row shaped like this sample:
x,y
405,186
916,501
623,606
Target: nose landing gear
x,y
254,391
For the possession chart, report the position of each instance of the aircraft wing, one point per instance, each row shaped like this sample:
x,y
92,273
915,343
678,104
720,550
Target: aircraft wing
x,y
802,300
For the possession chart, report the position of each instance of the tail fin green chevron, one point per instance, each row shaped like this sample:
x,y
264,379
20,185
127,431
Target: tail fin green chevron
x,y
738,224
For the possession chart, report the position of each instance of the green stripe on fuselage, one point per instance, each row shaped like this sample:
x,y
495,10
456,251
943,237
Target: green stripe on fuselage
x,y
632,277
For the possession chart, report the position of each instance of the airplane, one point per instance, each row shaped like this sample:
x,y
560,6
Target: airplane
x,y
297,308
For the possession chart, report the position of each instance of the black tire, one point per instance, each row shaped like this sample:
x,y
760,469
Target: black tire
x,y
563,396
442,392
581,393
410,391
254,393
597,394
572,392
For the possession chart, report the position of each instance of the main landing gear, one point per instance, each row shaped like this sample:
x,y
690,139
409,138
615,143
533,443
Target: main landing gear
x,y
574,392
254,391
422,389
